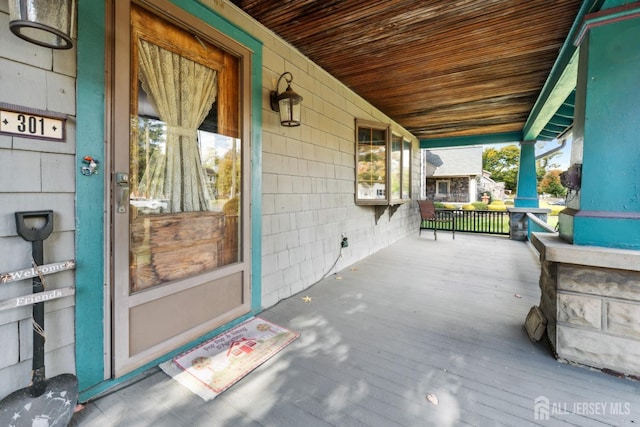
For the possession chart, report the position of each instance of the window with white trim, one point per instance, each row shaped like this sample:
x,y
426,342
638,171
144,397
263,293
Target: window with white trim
x,y
442,187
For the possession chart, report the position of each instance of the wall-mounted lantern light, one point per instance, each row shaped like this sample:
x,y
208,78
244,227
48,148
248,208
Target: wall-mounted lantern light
x,y
288,103
47,23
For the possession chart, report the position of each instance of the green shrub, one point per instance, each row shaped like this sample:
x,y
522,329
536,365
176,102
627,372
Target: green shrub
x,y
555,210
509,202
497,202
498,207
438,205
480,206
450,206
468,208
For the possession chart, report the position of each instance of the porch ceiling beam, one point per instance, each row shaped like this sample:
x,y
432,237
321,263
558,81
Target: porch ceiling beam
x,y
562,79
495,138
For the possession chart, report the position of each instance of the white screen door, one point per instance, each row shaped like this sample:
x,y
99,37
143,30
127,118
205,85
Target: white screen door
x,y
180,189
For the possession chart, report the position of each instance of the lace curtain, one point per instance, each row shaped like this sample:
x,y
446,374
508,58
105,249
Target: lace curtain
x,y
183,92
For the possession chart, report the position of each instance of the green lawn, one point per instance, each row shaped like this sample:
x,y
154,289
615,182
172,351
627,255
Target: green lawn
x,y
552,217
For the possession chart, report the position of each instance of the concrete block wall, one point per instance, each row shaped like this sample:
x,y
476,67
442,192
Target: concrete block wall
x,y
36,175
598,322
309,174
590,297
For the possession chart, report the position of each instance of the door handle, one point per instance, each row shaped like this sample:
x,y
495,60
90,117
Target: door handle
x,y
122,198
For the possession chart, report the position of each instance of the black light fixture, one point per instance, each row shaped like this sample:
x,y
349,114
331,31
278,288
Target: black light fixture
x,y
288,103
47,23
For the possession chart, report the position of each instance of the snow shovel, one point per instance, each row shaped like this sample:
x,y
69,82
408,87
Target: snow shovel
x,y
45,403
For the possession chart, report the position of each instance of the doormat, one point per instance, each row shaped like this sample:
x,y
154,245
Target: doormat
x,y
217,364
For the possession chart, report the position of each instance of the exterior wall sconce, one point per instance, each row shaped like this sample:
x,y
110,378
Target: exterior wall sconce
x,y
288,103
47,23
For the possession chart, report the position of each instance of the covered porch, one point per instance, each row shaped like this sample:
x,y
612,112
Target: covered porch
x,y
419,317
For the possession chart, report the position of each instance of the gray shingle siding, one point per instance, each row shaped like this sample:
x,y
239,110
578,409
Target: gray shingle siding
x,y
465,161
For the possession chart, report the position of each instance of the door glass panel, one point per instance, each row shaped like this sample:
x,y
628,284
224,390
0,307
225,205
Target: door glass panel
x,y
185,173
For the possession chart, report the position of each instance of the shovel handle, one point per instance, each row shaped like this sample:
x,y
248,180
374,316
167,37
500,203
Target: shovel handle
x,y
34,234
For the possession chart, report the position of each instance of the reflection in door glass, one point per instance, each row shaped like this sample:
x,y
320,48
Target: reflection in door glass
x,y
185,175
220,159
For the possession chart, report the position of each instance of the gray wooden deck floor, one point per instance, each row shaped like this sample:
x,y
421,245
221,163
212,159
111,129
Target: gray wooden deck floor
x,y
420,317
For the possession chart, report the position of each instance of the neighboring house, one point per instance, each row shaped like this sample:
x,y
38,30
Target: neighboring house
x,y
376,191
452,174
486,184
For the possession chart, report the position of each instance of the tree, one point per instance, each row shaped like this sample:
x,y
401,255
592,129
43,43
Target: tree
x,y
371,166
151,135
503,165
544,165
551,184
547,163
229,174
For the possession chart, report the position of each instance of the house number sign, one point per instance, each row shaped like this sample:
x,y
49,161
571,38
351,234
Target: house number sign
x,y
31,123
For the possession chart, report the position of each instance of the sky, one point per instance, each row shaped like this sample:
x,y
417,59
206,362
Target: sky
x,y
563,159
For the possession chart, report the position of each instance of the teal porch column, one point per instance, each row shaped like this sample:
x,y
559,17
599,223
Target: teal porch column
x,y
527,193
605,210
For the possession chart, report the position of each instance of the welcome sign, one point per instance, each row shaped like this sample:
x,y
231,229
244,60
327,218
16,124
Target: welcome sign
x,y
41,270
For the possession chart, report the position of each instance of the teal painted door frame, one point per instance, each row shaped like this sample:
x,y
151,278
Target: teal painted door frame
x,y
91,200
90,195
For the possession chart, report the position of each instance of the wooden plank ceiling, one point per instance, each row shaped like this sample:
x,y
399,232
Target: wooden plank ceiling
x,y
440,68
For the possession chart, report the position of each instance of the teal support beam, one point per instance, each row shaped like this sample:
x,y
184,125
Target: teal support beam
x,y
606,209
527,192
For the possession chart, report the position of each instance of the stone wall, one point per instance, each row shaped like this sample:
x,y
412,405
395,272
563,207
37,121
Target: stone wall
x,y
593,311
599,317
458,190
548,297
